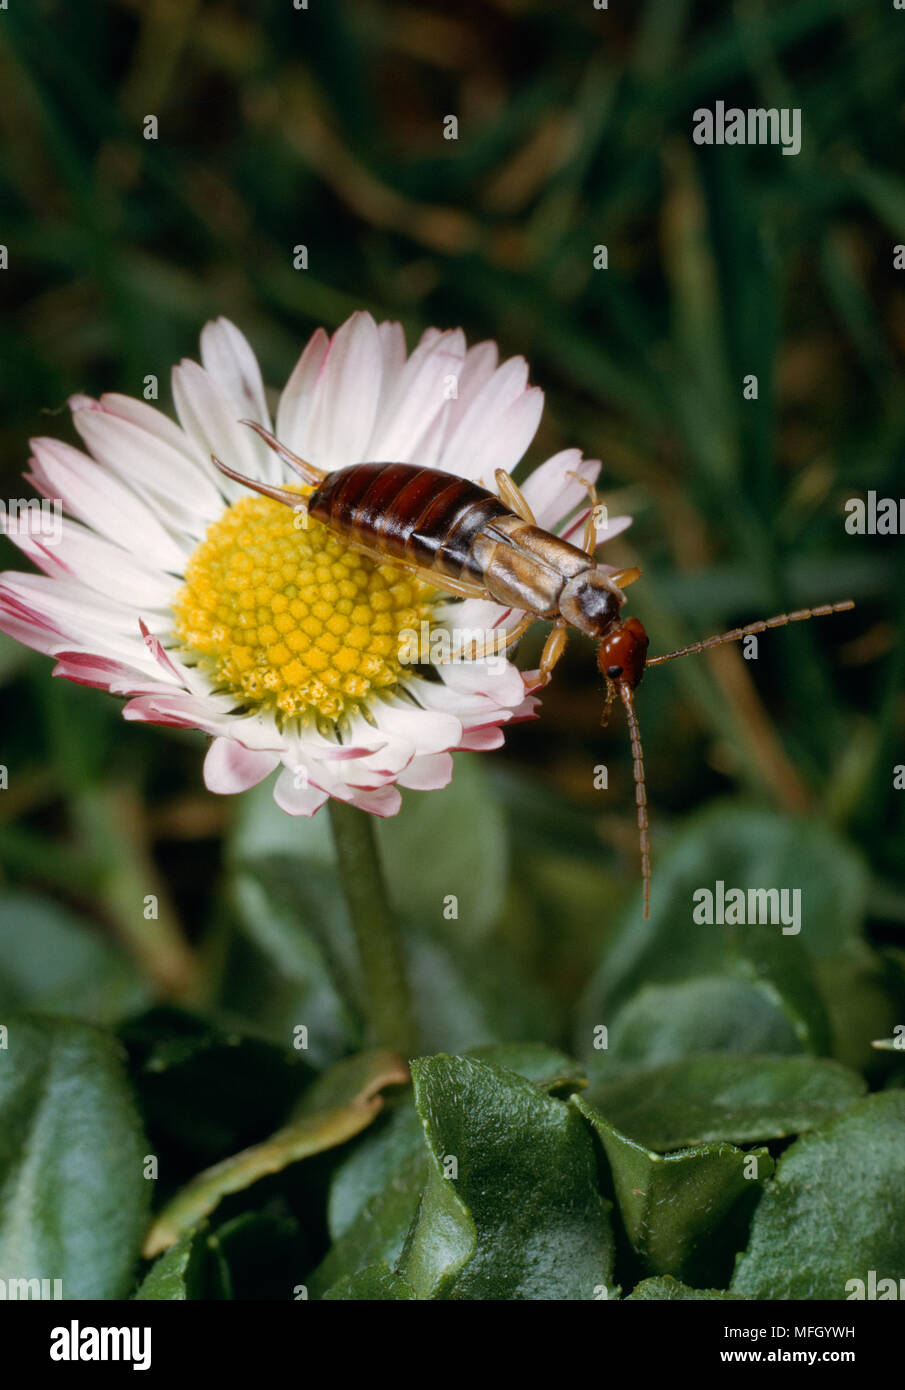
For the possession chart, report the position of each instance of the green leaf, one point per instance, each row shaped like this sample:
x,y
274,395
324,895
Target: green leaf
x,y
180,1272
701,1100
204,1092
73,1196
746,849
468,995
861,998
668,1288
550,1070
518,1214
261,1255
715,1013
292,911
52,963
376,1190
684,1214
375,1284
834,1211
374,1198
345,1110
457,839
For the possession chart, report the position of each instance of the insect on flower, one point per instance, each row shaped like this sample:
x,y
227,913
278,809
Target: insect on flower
x,y
454,534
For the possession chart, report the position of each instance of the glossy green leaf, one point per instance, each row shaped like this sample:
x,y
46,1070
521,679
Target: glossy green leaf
x,y
467,996
710,1013
511,1209
683,1213
376,1190
834,1211
73,1195
292,910
723,1098
449,842
550,1070
376,1284
667,1288
347,1107
205,1091
179,1273
748,849
54,963
861,999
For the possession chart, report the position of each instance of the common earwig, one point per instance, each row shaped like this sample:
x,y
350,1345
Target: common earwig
x,y
463,540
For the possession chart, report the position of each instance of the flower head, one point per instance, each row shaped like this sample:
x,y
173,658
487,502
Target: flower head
x,y
212,608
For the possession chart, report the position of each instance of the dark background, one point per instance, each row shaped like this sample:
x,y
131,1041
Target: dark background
x,y
325,127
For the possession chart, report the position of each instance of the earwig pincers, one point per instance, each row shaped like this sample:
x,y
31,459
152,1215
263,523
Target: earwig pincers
x,y
462,539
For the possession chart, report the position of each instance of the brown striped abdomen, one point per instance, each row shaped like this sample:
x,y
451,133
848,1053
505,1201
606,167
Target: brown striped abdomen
x,y
418,515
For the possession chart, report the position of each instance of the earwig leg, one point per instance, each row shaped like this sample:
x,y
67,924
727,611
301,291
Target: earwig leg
x,y
502,640
305,470
622,578
512,495
554,647
589,543
295,500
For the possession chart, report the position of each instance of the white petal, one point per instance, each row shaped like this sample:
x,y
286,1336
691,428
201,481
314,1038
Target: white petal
x,y
338,428
502,687
483,739
230,768
551,493
94,496
228,358
297,800
383,801
211,421
478,439
393,352
119,678
421,395
428,773
70,606
298,393
149,464
478,367
81,554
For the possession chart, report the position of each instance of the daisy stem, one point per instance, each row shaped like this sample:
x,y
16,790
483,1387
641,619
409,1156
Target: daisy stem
x,y
387,996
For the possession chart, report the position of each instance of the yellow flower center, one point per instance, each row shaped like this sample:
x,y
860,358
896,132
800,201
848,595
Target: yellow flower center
x,y
288,618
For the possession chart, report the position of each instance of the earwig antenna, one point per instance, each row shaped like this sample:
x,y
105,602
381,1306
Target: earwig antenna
x,y
306,471
738,633
640,790
279,494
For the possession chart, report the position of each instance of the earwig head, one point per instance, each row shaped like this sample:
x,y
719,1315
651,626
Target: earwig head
x,y
591,602
622,655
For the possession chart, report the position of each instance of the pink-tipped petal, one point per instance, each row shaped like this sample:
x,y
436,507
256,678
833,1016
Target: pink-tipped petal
x,y
295,795
229,768
427,773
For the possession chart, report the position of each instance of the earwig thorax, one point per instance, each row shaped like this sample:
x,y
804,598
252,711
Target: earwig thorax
x,y
591,602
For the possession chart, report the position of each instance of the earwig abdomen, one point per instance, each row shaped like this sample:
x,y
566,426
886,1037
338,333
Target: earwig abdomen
x,y
418,515
451,526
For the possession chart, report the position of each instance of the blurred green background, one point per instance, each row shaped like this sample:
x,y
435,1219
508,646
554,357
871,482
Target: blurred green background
x,y
325,127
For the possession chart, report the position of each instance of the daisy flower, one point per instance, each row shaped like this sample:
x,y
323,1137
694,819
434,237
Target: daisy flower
x,y
211,609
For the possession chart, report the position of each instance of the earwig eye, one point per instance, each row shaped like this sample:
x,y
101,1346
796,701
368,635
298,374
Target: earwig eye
x,y
614,672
